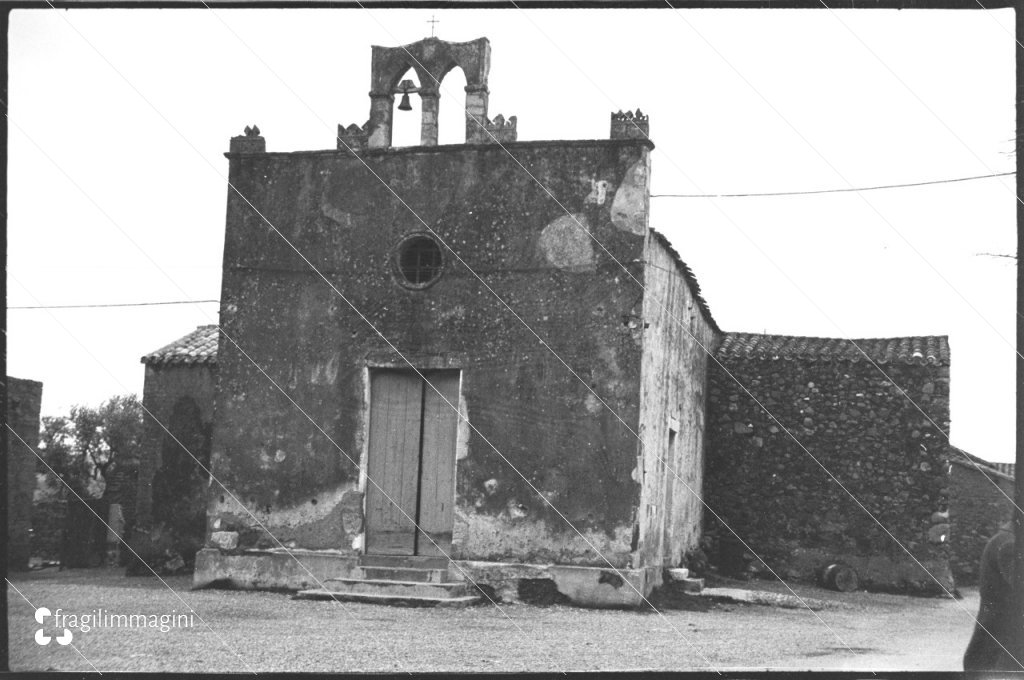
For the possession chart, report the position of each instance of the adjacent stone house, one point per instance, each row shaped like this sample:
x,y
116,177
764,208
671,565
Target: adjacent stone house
x,y
168,519
479,361
814,439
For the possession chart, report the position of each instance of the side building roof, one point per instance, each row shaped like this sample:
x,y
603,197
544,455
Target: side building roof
x,y
972,462
688,276
932,350
197,348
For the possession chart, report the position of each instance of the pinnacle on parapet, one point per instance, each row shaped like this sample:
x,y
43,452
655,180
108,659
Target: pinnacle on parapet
x,y
630,125
250,141
353,137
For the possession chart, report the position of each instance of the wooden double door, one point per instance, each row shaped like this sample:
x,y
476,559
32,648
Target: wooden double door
x,y
411,462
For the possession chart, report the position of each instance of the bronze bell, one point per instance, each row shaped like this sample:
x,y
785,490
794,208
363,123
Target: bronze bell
x,y
404,105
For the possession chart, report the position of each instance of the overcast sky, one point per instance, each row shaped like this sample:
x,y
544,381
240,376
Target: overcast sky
x,y
119,120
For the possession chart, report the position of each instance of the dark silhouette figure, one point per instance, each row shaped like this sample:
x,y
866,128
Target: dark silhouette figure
x,y
991,645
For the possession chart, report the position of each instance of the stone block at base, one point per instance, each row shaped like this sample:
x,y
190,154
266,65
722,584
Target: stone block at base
x,y
597,587
680,574
693,586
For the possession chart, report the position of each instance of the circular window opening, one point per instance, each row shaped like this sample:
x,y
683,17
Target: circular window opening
x,y
420,261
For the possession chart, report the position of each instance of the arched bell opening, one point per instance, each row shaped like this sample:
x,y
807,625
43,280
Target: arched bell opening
x,y
451,116
407,113
423,64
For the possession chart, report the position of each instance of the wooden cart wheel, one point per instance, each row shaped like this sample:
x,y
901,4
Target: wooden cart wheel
x,y
840,577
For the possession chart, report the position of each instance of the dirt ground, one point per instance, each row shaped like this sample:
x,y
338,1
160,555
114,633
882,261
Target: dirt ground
x,y
260,631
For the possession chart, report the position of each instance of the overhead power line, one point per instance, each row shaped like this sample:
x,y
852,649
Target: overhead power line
x,y
653,196
834,191
117,304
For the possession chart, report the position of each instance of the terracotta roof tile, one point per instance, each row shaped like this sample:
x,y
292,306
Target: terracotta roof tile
x,y
931,349
198,347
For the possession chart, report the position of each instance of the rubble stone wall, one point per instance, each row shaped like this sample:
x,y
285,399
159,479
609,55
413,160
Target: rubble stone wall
x,y
860,451
23,401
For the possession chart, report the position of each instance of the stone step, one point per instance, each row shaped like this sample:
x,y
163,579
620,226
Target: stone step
x,y
690,585
394,600
401,574
401,588
404,561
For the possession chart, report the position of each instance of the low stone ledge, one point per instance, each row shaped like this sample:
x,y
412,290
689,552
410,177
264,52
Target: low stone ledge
x,y
497,571
255,570
770,599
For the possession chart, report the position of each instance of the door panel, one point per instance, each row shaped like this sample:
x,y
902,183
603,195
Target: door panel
x,y
396,404
437,460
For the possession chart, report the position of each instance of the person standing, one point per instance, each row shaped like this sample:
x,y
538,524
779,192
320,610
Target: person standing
x,y
993,638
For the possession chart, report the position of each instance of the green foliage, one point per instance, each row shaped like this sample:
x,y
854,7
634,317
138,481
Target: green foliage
x,y
85,447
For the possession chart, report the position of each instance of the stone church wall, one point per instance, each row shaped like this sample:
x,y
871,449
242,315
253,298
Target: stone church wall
x,y
678,332
23,402
537,436
867,434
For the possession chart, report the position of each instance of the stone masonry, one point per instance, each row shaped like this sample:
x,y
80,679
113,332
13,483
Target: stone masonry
x,y
848,417
981,500
23,400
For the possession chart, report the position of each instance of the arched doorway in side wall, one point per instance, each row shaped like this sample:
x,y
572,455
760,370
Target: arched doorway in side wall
x,y
180,482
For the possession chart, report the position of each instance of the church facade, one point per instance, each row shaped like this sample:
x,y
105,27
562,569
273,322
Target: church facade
x,y
475,357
